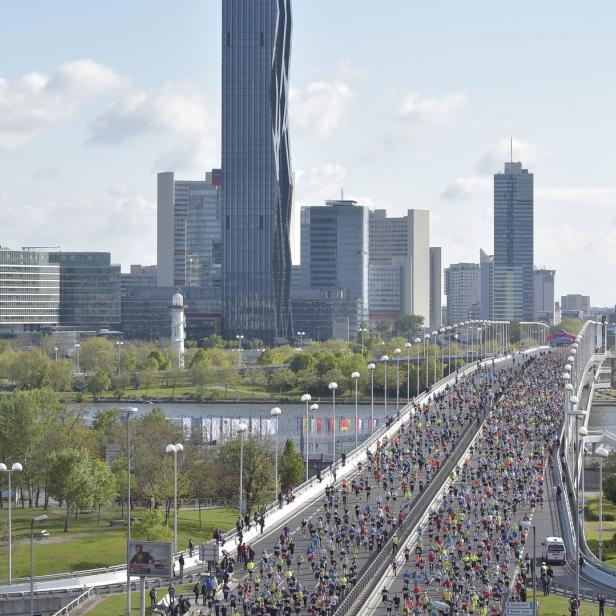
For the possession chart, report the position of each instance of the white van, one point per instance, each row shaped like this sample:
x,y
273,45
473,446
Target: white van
x,y
553,552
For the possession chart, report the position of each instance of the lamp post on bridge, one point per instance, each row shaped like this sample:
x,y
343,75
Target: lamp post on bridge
x,y
16,467
407,346
355,376
397,354
333,386
306,398
601,453
426,338
418,342
371,368
385,359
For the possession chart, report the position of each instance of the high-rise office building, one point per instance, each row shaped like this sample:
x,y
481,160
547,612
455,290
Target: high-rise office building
x,y
29,291
513,244
544,295
400,248
89,289
436,288
138,276
334,254
486,266
189,252
256,163
575,305
463,290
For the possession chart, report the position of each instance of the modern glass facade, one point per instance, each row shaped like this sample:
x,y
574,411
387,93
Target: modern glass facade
x,y
334,250
256,163
189,249
89,289
513,244
29,290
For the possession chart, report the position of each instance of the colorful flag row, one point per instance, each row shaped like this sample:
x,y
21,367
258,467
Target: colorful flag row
x,y
345,424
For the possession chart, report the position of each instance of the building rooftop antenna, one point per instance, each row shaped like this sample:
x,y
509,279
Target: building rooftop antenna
x,y
511,148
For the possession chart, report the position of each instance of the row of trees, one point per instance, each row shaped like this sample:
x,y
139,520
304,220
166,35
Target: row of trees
x,y
64,458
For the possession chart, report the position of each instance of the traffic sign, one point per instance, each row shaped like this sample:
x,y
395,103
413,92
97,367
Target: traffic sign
x,y
209,552
518,608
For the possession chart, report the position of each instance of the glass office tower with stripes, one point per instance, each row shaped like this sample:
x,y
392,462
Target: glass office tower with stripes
x,y
256,162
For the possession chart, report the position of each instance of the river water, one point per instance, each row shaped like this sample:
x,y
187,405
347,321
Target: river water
x,y
289,422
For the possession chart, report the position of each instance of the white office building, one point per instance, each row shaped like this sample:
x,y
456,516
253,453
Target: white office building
x,y
400,244
29,291
463,290
544,296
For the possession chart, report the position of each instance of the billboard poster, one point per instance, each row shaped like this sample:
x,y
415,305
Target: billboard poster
x,y
150,558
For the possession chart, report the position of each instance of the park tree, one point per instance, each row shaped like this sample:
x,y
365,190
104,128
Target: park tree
x,y
301,361
59,375
291,467
409,326
70,480
213,341
97,354
325,361
29,369
98,384
258,475
255,377
151,527
148,378
159,360
609,488
282,379
103,484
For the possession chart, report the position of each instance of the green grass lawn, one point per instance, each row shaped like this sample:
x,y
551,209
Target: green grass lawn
x,y
87,545
555,605
115,605
591,530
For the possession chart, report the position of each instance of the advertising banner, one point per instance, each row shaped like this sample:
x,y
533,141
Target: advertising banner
x,y
150,558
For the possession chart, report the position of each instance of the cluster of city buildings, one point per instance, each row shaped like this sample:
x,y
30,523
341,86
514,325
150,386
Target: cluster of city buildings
x,y
224,241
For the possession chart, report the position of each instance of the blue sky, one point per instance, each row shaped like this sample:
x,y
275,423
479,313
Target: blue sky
x,y
402,103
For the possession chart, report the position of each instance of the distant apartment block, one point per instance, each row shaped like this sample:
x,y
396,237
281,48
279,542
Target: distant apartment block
x,y
463,290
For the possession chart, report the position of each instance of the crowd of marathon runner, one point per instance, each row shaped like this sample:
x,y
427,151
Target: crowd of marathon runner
x,y
308,570
465,559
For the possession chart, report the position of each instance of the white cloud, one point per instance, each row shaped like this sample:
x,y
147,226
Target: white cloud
x,y
466,188
35,101
320,108
314,186
528,153
120,220
438,110
179,113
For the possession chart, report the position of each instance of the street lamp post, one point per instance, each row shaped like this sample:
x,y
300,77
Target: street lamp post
x,y
602,453
240,430
55,350
417,341
362,331
426,338
435,334
77,347
355,376
385,359
442,332
314,408
528,526
128,411
371,367
306,398
407,346
175,449
397,354
37,518
301,339
15,468
119,344
275,413
333,386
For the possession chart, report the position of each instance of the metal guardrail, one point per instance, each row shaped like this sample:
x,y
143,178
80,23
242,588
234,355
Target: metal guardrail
x,y
76,602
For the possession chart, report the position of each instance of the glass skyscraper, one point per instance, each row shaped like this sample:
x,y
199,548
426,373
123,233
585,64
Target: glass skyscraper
x,y
256,163
513,244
